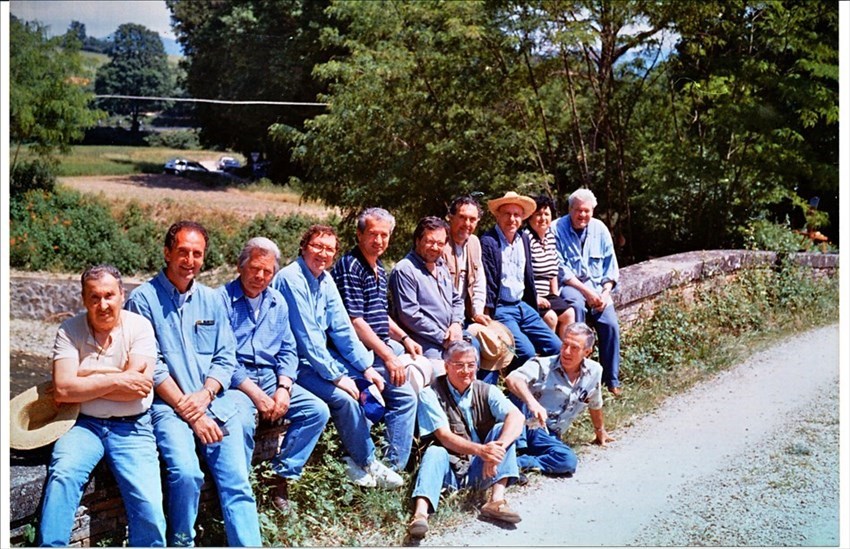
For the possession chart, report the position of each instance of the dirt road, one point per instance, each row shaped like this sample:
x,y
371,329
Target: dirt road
x,y
750,457
152,188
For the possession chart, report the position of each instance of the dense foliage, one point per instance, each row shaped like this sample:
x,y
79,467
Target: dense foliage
x,y
64,231
48,101
138,66
690,121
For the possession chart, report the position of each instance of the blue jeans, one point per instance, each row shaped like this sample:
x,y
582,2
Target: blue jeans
x,y
226,462
531,334
307,417
130,451
607,328
400,415
435,473
346,413
539,449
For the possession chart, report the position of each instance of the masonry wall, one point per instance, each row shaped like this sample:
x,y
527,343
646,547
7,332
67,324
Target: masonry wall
x,y
101,518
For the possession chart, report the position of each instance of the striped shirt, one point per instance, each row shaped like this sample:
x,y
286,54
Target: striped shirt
x,y
544,261
363,293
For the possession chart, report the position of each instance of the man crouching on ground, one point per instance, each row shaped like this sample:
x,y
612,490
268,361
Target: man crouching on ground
x,y
554,391
474,427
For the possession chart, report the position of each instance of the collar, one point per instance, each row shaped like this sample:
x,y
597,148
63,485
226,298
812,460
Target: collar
x,y
308,274
357,254
582,370
504,239
417,260
172,290
236,292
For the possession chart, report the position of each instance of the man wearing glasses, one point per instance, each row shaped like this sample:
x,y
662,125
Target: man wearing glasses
x,y
472,427
425,302
330,355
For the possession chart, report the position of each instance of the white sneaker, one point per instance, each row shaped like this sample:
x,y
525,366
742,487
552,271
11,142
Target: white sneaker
x,y
358,475
384,476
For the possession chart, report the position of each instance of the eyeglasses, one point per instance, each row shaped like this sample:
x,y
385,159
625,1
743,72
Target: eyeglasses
x,y
464,365
318,248
429,243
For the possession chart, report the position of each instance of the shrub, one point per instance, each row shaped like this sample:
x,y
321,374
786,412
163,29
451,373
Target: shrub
x,y
37,174
65,231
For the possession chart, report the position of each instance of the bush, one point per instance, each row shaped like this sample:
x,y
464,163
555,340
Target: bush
x,y
65,231
36,174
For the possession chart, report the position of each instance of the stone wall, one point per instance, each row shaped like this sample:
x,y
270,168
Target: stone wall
x,y
100,518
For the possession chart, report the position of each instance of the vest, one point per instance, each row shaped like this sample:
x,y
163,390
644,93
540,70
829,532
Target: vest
x,y
473,262
482,417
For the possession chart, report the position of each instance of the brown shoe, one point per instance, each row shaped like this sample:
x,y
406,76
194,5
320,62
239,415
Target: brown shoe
x,y
500,510
280,499
616,391
418,527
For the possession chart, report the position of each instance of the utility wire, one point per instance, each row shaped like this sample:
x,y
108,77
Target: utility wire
x,y
220,101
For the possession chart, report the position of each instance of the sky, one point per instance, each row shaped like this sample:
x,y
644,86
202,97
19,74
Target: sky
x,y
101,18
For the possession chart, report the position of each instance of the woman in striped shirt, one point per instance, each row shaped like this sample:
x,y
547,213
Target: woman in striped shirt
x,y
544,263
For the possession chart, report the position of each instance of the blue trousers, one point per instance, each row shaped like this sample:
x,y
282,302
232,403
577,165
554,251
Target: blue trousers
x,y
307,417
532,336
435,473
130,450
544,451
607,328
346,413
400,415
225,460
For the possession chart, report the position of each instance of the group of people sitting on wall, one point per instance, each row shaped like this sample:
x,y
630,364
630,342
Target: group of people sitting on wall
x,y
182,372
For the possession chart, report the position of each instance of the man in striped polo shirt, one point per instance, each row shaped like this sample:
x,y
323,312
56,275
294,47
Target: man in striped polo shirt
x,y
362,283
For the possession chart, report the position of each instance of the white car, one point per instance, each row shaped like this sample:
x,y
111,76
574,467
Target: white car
x,y
228,163
179,166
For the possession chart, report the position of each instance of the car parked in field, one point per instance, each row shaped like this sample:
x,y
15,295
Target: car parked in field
x,y
228,164
180,166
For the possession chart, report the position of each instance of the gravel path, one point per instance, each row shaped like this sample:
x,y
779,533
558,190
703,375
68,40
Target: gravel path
x,y
747,458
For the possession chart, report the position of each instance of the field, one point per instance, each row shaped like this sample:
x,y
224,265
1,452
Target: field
x,y
100,160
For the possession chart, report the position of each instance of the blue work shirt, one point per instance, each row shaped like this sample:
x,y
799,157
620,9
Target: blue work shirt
x,y
431,415
587,255
319,320
193,342
266,340
424,304
513,267
363,291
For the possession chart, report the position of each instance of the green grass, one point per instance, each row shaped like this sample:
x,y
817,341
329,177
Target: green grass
x,y
97,160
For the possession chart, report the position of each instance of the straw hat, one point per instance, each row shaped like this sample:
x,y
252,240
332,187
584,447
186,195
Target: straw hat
x,y
420,371
527,204
36,420
497,344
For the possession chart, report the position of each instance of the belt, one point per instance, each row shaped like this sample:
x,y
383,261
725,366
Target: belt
x,y
123,419
503,302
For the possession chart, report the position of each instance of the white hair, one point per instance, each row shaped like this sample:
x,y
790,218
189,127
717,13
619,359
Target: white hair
x,y
584,196
264,246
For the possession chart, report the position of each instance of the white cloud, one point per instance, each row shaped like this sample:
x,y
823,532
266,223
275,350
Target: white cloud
x,y
100,18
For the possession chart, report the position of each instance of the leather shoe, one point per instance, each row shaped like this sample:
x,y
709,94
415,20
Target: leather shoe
x,y
280,499
616,391
500,510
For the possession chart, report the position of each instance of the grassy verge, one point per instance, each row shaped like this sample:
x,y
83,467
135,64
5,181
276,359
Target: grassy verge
x,y
682,343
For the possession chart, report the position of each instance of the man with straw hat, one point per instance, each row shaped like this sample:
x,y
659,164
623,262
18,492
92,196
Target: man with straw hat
x,y
511,296
104,360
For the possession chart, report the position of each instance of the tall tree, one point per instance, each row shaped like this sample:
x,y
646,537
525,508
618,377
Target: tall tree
x,y
249,50
48,100
138,66
751,126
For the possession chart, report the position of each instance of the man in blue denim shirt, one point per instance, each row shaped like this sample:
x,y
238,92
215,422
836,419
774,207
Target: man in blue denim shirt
x,y
588,274
330,355
195,365
268,360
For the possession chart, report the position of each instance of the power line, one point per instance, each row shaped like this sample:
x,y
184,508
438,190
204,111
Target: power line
x,y
219,101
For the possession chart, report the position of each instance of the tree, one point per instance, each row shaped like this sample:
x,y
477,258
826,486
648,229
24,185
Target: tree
x,y
251,50
138,66
48,101
751,126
